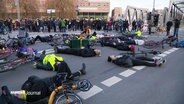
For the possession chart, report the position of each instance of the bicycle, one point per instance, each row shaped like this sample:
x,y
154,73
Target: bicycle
x,y
144,52
150,44
13,64
3,29
64,94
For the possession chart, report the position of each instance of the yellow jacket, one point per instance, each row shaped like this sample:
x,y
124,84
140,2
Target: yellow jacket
x,y
138,33
51,58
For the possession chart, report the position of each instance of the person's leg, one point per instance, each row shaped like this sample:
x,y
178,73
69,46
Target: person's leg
x,y
177,30
63,67
138,62
174,32
7,98
37,37
145,58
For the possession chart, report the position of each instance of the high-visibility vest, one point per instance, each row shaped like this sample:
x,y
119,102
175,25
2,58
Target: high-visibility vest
x,y
138,33
51,58
93,38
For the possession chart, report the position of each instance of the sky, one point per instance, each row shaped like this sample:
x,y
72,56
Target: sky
x,y
159,4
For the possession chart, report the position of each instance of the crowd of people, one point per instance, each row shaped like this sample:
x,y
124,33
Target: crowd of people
x,y
61,24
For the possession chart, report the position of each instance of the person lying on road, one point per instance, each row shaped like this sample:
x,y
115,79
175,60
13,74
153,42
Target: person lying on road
x,y
44,38
51,62
85,52
33,90
130,61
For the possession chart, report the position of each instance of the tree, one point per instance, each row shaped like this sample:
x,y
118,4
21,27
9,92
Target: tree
x,y
29,8
3,9
64,8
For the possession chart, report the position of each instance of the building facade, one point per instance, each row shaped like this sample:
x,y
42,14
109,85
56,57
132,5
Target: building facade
x,y
93,9
116,13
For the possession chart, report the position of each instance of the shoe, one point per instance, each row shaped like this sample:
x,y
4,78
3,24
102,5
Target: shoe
x,y
6,91
159,64
56,49
109,59
83,70
35,65
44,52
163,61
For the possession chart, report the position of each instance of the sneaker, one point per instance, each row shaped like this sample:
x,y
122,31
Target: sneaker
x,y
109,59
35,65
83,70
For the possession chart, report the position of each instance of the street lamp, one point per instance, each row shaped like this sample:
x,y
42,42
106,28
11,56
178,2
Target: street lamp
x,y
17,4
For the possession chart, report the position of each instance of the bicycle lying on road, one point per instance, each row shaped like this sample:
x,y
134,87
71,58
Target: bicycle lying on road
x,y
13,64
65,94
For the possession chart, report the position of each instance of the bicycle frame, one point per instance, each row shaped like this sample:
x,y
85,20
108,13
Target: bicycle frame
x,y
63,88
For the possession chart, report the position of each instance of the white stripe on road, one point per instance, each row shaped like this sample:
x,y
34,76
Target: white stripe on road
x,y
167,52
127,73
162,55
171,50
111,81
138,67
93,91
175,48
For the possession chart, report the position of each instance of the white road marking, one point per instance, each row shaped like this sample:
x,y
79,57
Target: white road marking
x,y
127,73
175,48
162,55
138,67
167,52
111,81
93,91
171,50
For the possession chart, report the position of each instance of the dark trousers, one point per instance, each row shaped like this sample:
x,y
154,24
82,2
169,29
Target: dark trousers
x,y
10,100
63,68
72,51
42,39
138,61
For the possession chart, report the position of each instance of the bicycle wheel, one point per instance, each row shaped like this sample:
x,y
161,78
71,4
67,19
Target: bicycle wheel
x,y
149,44
8,67
68,98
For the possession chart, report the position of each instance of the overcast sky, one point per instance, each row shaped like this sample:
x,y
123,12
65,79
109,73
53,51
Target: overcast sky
x,y
159,4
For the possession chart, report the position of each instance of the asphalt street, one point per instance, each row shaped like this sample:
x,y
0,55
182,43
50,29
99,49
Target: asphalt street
x,y
113,84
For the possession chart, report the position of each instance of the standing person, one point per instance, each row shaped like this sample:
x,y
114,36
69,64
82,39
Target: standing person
x,y
176,27
168,28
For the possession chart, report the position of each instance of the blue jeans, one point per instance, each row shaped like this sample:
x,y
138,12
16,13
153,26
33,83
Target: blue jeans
x,y
176,32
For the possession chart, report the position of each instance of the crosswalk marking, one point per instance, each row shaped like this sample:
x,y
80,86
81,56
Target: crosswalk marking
x,y
162,55
171,50
167,52
127,73
138,67
111,81
93,91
